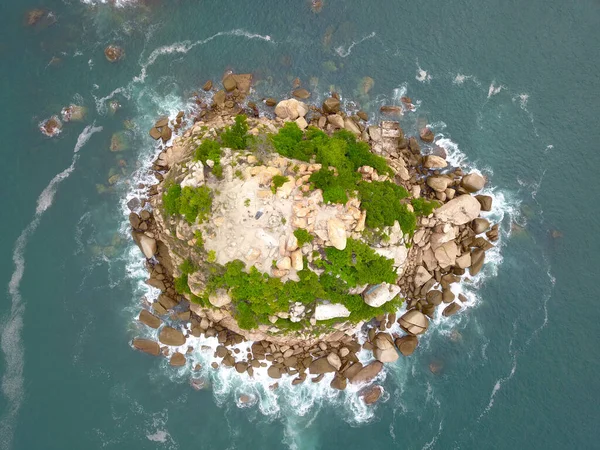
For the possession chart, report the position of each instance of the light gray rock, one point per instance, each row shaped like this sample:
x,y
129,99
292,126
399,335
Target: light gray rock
x,y
220,298
331,311
414,322
472,182
446,254
336,232
421,276
459,210
290,109
378,295
434,162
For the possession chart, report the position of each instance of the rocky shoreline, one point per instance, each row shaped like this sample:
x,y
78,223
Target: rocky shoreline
x,y
254,219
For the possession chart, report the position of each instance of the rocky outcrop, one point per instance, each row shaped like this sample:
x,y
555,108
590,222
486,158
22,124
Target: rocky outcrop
x,y
380,294
414,322
331,311
147,346
171,336
290,109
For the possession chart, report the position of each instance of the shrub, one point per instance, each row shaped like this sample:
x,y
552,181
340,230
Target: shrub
x,y
199,239
423,207
195,203
171,199
208,149
236,136
358,264
212,256
187,267
181,284
277,182
381,201
303,236
287,138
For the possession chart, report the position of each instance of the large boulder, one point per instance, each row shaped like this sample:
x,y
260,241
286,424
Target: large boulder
x,y
407,344
485,201
422,276
290,109
274,372
446,254
301,93
350,125
219,298
334,360
339,383
171,336
336,120
380,294
367,373
147,346
477,259
177,360
434,162
398,253
480,225
387,355
146,244
414,322
472,182
336,231
331,311
149,319
438,184
459,210
321,365
451,309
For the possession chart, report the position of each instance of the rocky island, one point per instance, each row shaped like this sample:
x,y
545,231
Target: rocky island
x,y
304,232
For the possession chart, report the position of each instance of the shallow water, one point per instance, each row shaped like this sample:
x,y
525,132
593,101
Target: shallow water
x,y
509,89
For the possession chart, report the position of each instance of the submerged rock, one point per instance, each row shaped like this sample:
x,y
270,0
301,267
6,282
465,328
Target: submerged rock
x,y
147,346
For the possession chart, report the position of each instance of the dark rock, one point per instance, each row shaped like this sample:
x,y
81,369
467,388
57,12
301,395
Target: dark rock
x,y
229,83
477,259
113,53
155,133
367,373
485,201
331,105
149,319
407,344
221,351
166,133
270,102
434,297
391,110
451,309
207,86
274,372
147,346
159,309
171,336
321,365
241,367
371,394
177,360
339,383
447,296
479,225
317,378
426,135
363,115
134,220
302,94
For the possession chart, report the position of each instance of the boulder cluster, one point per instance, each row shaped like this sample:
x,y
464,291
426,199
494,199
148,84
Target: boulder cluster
x,y
448,244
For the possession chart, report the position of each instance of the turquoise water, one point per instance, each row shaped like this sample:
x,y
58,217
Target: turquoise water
x,y
510,88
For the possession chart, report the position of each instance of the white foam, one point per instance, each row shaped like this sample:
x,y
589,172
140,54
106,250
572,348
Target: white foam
x,y
493,89
11,343
345,52
117,3
422,75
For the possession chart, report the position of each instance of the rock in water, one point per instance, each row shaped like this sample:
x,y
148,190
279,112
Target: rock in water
x,y
473,182
485,201
459,210
426,135
451,309
371,394
320,365
171,336
302,94
114,53
331,105
367,373
229,83
146,244
177,360
407,344
149,319
146,345
336,231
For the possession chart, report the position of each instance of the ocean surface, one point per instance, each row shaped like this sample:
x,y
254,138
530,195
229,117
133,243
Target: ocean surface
x,y
510,88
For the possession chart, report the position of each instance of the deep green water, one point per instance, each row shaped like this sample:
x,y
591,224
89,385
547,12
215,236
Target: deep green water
x,y
512,87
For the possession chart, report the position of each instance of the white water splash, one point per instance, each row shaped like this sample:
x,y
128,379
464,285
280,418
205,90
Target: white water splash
x,y
422,75
345,52
493,89
11,343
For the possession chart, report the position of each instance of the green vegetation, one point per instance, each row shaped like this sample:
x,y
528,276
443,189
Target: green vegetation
x,y
256,296
303,236
199,239
208,149
191,203
247,202
277,182
423,207
187,267
212,256
357,264
236,136
238,173
381,201
340,157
